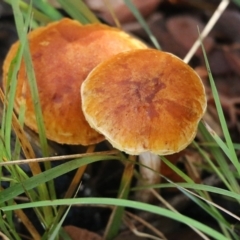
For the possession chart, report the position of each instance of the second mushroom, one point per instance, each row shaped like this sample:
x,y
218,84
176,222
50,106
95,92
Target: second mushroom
x,y
145,102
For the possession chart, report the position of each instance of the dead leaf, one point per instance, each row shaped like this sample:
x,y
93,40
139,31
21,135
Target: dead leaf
x,y
184,29
81,234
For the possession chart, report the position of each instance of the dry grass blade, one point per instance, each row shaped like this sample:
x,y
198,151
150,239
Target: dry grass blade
x,y
28,224
75,181
212,203
25,144
115,219
58,158
113,14
3,237
217,14
146,224
78,175
163,201
138,233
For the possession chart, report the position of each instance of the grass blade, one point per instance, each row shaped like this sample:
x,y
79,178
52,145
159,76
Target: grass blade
x,y
78,10
31,75
35,96
207,208
10,95
38,16
221,160
234,158
50,174
143,23
211,164
115,220
47,9
125,203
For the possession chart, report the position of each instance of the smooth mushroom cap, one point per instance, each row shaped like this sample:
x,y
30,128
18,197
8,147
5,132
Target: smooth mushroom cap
x,y
144,100
63,53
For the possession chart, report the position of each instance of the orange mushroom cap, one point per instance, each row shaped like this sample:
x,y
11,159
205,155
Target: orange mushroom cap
x,y
63,53
144,100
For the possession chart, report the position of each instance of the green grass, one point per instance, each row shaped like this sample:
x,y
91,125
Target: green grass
x,y
125,203
218,152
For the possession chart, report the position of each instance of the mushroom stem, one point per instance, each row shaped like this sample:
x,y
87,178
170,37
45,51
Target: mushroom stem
x,y
148,176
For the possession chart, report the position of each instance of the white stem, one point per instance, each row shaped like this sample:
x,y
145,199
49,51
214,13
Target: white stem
x,y
152,161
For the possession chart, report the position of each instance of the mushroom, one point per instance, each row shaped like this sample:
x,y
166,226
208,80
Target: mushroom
x,y
145,102
63,54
